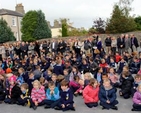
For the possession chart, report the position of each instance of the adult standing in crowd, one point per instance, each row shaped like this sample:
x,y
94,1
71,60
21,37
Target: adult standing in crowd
x,y
31,48
37,48
87,46
61,46
54,46
134,43
121,44
24,49
114,45
127,43
108,42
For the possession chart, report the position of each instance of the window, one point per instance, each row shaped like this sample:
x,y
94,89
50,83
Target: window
x,y
13,21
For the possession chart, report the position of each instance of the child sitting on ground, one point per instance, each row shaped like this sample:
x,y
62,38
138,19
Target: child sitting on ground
x,y
107,96
75,86
137,100
24,98
52,95
66,94
113,77
126,80
37,95
87,77
14,91
90,93
136,83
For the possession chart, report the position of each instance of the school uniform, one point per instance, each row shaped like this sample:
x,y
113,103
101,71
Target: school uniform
x,y
108,94
58,69
67,99
25,100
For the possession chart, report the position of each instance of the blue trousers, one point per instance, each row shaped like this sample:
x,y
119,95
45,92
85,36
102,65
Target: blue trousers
x,y
92,104
52,103
110,105
137,107
22,101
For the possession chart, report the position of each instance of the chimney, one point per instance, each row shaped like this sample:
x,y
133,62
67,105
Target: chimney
x,y
56,23
48,22
20,8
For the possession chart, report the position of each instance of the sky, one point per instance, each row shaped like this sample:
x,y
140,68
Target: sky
x,y
80,12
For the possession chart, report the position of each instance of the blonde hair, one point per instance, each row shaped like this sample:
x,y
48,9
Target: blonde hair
x,y
37,82
87,75
107,81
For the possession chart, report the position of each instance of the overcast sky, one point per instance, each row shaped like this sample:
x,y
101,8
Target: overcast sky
x,y
80,12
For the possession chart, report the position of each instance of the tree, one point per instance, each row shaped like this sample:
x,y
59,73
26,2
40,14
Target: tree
x,y
92,30
125,5
34,26
99,25
5,32
64,27
138,22
77,32
119,22
42,30
29,24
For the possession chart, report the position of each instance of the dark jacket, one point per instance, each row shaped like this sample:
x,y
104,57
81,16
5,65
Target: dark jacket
x,y
47,76
93,67
126,84
108,41
58,69
134,67
15,93
105,95
2,90
66,97
120,42
134,41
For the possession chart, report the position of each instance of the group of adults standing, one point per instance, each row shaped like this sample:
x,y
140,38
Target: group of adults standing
x,y
124,43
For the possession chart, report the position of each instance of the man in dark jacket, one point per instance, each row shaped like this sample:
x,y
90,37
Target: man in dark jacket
x,y
108,42
134,43
121,44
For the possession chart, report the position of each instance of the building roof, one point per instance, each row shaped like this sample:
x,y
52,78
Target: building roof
x,y
10,12
59,26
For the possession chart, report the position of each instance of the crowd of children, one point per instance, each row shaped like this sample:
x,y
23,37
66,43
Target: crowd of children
x,y
52,77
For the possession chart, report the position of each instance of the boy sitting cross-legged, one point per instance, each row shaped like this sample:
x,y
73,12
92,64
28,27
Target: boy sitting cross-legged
x,y
53,97
66,102
107,96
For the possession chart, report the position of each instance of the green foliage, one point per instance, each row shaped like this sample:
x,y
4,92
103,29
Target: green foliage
x,y
77,32
42,30
138,22
92,31
64,27
119,22
5,32
34,26
29,24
